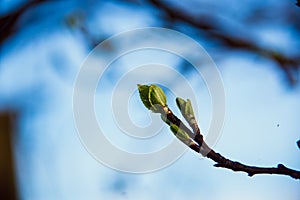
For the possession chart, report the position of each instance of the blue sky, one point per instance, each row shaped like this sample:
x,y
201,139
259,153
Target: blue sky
x,y
37,75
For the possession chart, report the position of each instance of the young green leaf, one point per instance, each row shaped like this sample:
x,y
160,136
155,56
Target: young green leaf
x,y
189,112
157,96
144,95
180,103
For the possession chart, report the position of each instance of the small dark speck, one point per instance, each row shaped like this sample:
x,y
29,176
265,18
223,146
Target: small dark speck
x,y
277,125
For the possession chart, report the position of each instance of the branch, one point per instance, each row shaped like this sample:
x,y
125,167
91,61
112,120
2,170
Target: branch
x,y
8,23
212,28
223,162
154,99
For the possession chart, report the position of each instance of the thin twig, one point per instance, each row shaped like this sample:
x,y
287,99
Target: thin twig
x,y
223,162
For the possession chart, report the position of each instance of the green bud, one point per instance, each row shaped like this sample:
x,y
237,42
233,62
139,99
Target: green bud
x,y
153,97
181,134
185,108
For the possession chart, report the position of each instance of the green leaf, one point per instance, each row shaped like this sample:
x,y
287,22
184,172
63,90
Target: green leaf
x,y
189,109
157,96
144,95
186,108
180,103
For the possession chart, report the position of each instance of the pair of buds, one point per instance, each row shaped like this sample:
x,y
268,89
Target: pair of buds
x,y
155,100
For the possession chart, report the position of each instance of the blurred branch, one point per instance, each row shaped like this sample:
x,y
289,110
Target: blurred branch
x,y
210,26
77,20
212,29
8,23
7,170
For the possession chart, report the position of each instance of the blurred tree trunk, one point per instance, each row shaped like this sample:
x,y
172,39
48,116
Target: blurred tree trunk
x,y
8,189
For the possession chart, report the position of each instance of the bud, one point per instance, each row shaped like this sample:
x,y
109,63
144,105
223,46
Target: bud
x,y
186,108
181,135
153,97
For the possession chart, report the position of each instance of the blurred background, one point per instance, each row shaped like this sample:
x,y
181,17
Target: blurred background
x,y
43,43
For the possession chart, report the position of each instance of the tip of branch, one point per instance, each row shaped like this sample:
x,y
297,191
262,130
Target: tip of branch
x,y
217,165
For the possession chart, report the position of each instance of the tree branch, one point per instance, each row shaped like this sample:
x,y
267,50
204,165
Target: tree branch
x,y
212,29
223,162
8,23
